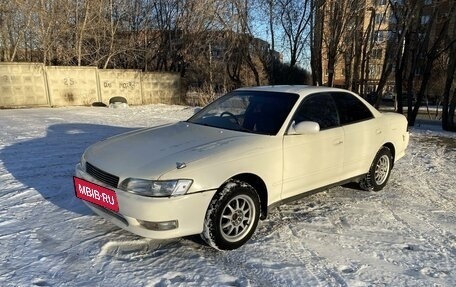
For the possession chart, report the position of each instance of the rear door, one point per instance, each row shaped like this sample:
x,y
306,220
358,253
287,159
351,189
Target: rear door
x,y
363,134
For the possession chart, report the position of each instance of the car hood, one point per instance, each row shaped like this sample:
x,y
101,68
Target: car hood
x,y
149,153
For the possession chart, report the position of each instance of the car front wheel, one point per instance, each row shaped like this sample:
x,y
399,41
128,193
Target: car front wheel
x,y
379,172
232,216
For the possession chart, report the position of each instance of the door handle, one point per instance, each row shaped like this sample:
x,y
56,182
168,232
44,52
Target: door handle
x,y
338,142
378,131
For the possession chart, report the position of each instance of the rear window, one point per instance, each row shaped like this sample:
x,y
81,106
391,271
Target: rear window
x,y
351,109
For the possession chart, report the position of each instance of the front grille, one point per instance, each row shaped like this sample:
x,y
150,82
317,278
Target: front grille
x,y
102,176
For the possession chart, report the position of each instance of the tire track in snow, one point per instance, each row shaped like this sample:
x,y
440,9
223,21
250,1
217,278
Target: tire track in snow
x,y
428,197
430,245
309,266
324,275
250,271
416,210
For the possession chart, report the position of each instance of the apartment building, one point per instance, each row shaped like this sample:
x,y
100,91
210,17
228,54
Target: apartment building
x,y
364,27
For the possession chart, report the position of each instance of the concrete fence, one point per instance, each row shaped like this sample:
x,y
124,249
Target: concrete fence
x,y
33,84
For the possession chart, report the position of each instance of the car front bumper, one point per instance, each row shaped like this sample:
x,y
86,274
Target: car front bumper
x,y
153,217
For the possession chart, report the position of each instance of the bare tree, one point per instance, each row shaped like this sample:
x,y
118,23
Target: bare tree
x,y
449,102
398,50
295,17
317,7
234,19
114,13
432,44
268,15
372,50
15,20
271,59
213,40
339,15
82,20
55,33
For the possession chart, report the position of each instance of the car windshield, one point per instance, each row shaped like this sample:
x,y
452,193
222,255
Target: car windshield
x,y
248,111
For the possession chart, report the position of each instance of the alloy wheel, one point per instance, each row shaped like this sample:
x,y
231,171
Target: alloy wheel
x,y
237,217
382,169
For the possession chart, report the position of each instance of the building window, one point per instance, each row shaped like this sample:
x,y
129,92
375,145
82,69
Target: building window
x,y
216,53
427,2
421,36
442,17
377,54
375,71
425,19
398,2
380,36
392,19
378,18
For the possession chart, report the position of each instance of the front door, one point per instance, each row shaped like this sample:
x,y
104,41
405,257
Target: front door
x,y
313,160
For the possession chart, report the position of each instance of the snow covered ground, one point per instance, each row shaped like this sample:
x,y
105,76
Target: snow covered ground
x,y
404,235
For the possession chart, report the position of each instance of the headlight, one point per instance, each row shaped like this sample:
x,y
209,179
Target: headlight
x,y
156,188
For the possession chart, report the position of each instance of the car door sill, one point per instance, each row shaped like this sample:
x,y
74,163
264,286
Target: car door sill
x,y
312,192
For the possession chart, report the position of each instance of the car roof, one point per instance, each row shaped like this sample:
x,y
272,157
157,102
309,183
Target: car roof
x,y
297,89
304,90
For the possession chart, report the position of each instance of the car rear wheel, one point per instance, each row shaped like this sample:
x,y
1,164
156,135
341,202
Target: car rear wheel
x,y
117,100
379,172
232,216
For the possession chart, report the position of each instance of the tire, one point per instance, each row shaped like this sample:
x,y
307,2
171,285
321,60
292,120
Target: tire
x,y
232,216
99,104
117,100
379,172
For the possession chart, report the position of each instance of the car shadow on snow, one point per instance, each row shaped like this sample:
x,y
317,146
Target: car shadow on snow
x,y
47,164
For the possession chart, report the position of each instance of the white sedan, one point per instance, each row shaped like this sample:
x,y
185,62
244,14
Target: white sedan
x,y
223,169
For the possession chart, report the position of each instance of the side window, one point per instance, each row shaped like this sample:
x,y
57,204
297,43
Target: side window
x,y
318,108
351,109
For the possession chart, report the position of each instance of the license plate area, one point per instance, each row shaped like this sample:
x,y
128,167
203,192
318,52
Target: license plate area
x,y
95,194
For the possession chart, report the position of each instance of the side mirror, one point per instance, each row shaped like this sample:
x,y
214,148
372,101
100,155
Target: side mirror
x,y
303,128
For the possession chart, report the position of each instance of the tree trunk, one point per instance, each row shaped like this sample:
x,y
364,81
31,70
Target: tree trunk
x,y
451,113
400,64
447,123
81,32
419,99
253,69
271,52
330,69
316,43
368,42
